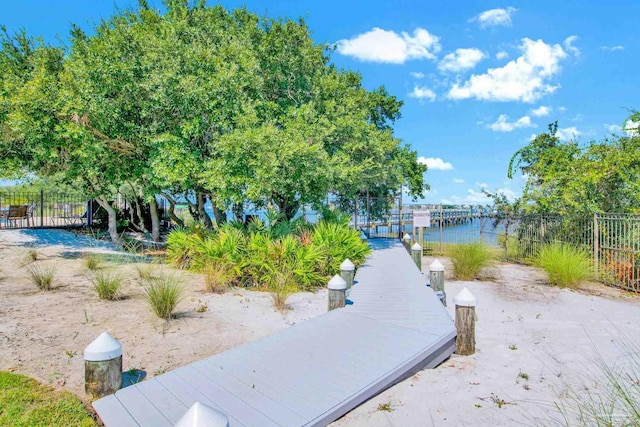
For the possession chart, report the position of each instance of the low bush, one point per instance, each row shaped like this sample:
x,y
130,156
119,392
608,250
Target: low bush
x,y
469,259
340,242
42,275
163,293
216,278
106,284
566,265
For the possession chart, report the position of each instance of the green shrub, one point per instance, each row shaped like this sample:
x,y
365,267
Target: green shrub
x,y
469,259
181,247
106,284
164,293
340,242
566,265
281,286
41,275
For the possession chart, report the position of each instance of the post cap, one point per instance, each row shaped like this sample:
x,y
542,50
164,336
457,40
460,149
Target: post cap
x,y
406,236
436,266
200,415
416,247
337,283
105,347
347,265
465,298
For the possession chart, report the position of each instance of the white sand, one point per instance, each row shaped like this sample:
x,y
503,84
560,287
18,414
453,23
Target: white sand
x,y
552,333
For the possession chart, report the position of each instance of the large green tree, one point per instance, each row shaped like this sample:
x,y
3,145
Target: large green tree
x,y
203,104
566,178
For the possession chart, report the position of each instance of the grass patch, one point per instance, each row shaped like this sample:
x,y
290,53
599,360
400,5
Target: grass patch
x,y
41,275
25,402
163,293
281,288
106,284
30,256
91,262
566,265
216,278
469,259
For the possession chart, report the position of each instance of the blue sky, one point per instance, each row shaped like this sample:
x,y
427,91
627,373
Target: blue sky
x,y
478,79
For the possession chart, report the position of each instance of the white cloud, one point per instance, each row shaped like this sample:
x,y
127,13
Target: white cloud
x,y
435,163
422,92
612,48
523,79
417,75
632,128
504,125
502,55
562,109
613,128
578,118
461,60
541,111
482,184
494,17
568,134
568,45
458,181
380,45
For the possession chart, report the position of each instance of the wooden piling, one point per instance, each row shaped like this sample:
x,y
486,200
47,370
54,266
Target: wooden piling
x,y
337,292
102,366
406,241
347,272
416,255
436,280
465,303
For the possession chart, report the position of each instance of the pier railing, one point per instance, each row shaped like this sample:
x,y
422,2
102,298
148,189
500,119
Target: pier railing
x,y
42,209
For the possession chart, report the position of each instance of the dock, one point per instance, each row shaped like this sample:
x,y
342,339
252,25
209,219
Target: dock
x,y
311,373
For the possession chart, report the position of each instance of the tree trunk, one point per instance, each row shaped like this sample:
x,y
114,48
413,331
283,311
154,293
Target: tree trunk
x,y
202,214
219,215
238,212
171,211
112,223
155,220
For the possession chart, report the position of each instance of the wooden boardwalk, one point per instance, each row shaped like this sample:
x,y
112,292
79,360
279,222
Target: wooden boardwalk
x,y
312,373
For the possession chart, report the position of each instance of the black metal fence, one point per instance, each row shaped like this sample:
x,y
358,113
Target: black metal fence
x,y
43,210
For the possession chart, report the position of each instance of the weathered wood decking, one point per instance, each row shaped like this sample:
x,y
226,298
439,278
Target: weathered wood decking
x,y
314,372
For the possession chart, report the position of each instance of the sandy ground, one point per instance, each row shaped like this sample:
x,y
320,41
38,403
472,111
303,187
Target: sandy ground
x,y
44,334
523,327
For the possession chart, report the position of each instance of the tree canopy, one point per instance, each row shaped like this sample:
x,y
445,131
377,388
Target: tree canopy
x,y
566,178
199,103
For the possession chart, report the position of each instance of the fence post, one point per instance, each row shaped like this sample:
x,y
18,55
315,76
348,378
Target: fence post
x,y
103,366
347,272
596,245
441,225
416,255
337,292
465,303
406,241
200,415
41,208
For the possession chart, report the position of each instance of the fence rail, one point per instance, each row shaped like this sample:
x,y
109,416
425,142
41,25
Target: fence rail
x,y
43,210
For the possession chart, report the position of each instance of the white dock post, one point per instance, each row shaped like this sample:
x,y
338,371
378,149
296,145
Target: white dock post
x,y
200,415
406,241
348,272
416,255
465,303
436,280
103,366
337,292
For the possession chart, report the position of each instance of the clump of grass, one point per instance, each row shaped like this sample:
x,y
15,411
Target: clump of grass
x,y
25,402
106,284
163,293
566,265
611,393
216,279
469,259
281,288
145,272
91,262
42,275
